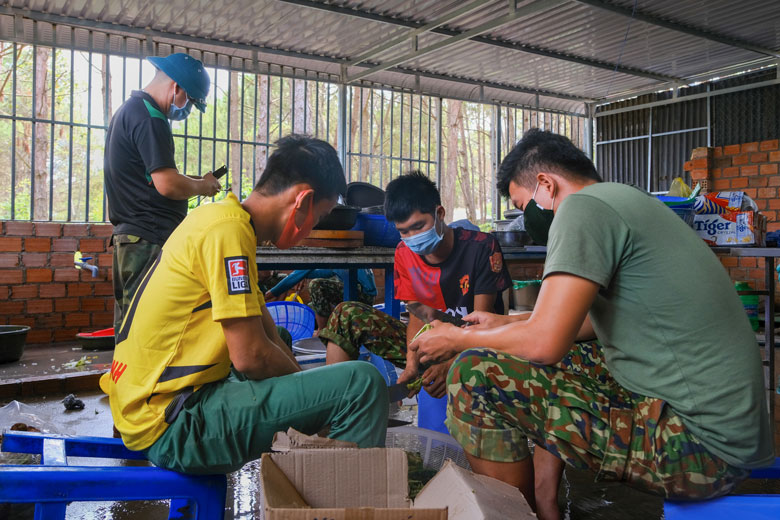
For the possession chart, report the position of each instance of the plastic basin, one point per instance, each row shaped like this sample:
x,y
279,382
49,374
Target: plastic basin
x,y
12,339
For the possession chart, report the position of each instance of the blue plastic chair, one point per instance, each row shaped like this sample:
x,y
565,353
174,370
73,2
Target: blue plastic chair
x,y
755,507
51,485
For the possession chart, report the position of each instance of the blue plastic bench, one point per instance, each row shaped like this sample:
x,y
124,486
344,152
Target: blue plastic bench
x,y
51,485
754,507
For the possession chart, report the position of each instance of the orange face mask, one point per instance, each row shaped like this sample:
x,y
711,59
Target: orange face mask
x,y
292,234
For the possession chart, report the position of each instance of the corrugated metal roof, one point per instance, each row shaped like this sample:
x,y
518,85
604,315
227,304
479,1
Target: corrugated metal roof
x,y
559,54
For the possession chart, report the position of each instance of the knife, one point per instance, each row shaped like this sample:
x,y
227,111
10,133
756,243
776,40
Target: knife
x,y
428,314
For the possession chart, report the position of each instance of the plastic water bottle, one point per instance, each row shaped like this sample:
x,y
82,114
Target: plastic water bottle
x,y
749,302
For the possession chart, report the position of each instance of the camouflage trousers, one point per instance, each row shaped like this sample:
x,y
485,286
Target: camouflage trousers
x,y
326,293
133,256
353,324
579,413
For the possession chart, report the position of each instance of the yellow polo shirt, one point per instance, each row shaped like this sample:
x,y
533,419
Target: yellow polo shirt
x,y
171,341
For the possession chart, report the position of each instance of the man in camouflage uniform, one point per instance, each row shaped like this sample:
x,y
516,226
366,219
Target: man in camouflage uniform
x,y
670,400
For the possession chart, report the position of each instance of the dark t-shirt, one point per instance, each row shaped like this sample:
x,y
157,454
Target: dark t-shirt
x,y
475,266
139,141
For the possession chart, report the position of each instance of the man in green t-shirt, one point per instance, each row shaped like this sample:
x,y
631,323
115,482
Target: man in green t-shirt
x,y
669,399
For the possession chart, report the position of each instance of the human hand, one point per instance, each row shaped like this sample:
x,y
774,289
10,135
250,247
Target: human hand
x,y
210,186
434,380
438,344
486,320
269,296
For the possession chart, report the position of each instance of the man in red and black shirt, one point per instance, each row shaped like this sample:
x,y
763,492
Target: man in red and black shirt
x,y
455,270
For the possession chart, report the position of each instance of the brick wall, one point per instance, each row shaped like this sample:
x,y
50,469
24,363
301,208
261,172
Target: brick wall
x,y
749,167
40,287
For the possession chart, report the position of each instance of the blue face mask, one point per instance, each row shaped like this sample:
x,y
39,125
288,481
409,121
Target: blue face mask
x,y
179,114
426,242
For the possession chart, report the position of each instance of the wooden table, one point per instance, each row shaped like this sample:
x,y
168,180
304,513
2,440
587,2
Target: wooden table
x,y
346,260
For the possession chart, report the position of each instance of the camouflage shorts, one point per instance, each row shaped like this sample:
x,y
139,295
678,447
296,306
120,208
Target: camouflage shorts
x,y
326,293
579,413
133,256
353,324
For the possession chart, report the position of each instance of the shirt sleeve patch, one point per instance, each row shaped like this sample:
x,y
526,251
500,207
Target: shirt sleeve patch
x,y
237,273
496,262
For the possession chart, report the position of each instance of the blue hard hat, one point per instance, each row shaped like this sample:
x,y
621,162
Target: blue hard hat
x,y
188,73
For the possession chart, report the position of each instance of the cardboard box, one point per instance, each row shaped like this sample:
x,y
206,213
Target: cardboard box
x,y
469,496
734,228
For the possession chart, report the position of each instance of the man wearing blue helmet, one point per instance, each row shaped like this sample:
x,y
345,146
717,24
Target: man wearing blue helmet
x,y
147,196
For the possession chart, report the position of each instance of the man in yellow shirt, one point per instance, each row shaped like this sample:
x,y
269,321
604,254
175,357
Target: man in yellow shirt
x,y
199,310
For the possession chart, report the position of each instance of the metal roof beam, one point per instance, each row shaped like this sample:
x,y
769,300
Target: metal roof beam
x,y
473,6
680,27
534,7
400,22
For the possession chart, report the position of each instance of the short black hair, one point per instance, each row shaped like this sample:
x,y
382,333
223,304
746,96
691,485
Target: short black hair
x,y
542,151
302,159
409,193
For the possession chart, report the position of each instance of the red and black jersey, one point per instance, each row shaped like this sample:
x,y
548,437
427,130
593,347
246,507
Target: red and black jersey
x,y
475,266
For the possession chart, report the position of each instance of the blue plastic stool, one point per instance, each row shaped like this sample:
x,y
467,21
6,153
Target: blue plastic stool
x,y
431,412
755,507
296,317
53,484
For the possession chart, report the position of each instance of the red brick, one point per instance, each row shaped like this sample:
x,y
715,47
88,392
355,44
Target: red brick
x,y
39,275
66,304
729,261
104,289
92,245
102,319
731,149
37,306
10,276
740,159
49,321
75,230
700,174
771,216
20,292
22,319
755,182
19,228
48,229
52,290
77,319
761,203
700,163
773,226
774,156
747,262
5,291
751,192
13,245
722,162
65,334
769,169
79,289
66,275
9,307
738,274
759,157
39,336
732,171
774,181
749,147
722,184
767,193
61,260
34,259
9,259
717,152
101,230
740,182
701,153
65,244
688,166
105,260
37,245
93,304
773,144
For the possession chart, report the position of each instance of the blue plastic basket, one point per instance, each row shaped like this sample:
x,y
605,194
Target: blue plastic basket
x,y
296,317
377,230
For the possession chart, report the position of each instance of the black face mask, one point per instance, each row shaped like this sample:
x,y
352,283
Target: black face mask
x,y
538,220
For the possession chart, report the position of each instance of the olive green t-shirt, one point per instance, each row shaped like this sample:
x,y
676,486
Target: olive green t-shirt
x,y
667,315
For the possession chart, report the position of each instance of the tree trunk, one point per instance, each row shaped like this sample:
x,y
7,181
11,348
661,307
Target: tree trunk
x,y
105,77
41,136
450,173
464,177
299,109
261,151
235,133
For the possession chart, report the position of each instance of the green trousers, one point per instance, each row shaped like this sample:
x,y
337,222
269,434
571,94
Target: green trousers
x,y
226,424
133,256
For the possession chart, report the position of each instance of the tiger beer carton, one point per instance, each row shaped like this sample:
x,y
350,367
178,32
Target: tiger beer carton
x,y
732,228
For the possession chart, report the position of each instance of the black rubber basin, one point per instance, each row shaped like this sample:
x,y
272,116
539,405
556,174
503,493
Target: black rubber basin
x,y
12,338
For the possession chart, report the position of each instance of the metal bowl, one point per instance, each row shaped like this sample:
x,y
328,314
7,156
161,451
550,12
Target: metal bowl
x,y
341,217
12,339
512,238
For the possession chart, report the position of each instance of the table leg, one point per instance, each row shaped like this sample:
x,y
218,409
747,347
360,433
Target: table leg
x,y
351,287
769,332
392,306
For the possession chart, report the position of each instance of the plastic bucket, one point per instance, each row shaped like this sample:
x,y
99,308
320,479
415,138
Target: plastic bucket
x,y
377,230
431,412
296,317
